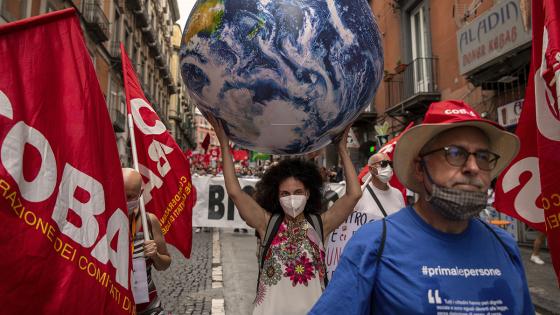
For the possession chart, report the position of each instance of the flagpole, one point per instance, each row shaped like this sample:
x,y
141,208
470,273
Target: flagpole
x,y
125,60
135,162
368,180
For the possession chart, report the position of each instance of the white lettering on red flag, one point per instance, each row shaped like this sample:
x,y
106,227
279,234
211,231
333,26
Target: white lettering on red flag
x,y
168,192
529,189
65,236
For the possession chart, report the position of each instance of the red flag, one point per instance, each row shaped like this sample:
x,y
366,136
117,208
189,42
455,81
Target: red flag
x,y
206,142
240,155
528,188
64,235
168,191
215,153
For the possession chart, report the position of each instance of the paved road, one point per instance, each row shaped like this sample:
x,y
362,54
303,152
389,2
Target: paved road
x,y
542,283
186,287
239,270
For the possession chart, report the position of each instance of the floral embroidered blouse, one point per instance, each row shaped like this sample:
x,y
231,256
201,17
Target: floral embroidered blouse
x,y
293,273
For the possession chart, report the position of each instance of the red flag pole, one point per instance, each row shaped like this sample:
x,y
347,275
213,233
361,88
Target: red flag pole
x,y
133,143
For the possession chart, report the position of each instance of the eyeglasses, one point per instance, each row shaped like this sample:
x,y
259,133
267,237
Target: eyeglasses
x,y
383,163
458,156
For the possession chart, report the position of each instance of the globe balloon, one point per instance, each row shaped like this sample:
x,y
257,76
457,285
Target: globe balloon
x,y
285,76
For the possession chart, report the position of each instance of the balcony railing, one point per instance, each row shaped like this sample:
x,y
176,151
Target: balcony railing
x,y
118,118
418,80
96,21
115,49
149,35
142,17
115,54
135,4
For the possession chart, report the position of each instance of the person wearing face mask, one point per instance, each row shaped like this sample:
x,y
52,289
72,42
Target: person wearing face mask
x,y
288,197
436,255
380,199
154,251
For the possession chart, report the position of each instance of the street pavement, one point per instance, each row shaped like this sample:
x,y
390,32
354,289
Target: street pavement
x,y
187,286
239,262
542,283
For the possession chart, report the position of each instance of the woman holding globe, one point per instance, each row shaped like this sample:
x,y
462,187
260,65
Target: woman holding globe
x,y
292,276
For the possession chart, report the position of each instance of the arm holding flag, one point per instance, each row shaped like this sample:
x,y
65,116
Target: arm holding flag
x,y
251,212
156,249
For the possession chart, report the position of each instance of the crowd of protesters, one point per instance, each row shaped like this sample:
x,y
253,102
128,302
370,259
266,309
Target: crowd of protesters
x,y
333,174
449,162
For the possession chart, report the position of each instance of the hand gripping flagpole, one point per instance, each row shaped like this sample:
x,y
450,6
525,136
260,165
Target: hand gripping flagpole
x,y
135,162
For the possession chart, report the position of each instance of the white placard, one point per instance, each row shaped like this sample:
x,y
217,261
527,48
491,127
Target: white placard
x,y
140,281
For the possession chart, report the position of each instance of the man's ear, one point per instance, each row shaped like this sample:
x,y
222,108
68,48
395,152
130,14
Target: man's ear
x,y
418,170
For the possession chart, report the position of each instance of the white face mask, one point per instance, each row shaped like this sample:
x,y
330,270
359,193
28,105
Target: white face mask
x,y
293,205
132,204
384,174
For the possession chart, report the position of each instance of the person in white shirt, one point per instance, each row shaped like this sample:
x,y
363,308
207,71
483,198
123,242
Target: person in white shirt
x,y
389,200
379,198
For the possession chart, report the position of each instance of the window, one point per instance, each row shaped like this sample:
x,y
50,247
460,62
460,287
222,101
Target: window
x,y
12,10
127,45
117,27
419,29
50,7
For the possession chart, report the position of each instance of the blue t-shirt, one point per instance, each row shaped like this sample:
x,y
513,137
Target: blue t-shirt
x,y
425,271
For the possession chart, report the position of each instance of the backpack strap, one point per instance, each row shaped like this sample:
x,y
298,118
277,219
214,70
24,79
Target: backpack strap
x,y
382,244
271,230
511,256
317,224
378,259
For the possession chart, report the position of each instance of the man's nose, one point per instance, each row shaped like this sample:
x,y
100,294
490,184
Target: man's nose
x,y
471,165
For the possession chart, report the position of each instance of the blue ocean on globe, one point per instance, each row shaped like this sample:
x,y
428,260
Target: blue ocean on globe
x,y
285,76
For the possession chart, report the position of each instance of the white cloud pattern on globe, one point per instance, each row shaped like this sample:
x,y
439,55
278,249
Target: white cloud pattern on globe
x,y
285,76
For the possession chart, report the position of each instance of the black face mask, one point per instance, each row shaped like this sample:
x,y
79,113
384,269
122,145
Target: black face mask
x,y
455,204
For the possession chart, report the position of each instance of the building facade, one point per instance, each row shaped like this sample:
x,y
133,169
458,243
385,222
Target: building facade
x,y
203,128
146,29
473,50
477,51
181,109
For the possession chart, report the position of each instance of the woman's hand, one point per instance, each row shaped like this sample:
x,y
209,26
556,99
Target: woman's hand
x,y
342,208
218,128
342,140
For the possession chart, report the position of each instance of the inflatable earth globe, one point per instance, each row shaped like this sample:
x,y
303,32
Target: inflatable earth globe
x,y
285,76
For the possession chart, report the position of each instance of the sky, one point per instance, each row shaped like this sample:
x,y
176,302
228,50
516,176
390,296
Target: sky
x,y
185,7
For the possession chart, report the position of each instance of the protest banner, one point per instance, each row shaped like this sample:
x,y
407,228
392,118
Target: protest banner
x,y
213,206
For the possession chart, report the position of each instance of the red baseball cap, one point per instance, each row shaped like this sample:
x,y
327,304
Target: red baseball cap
x,y
442,116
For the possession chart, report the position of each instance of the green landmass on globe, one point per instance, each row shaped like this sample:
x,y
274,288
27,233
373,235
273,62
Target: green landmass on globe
x,y
206,17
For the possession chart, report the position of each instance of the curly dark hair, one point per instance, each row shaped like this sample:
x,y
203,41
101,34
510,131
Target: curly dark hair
x,y
305,171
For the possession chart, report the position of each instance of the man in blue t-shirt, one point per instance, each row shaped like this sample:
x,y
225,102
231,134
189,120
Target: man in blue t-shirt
x,y
436,257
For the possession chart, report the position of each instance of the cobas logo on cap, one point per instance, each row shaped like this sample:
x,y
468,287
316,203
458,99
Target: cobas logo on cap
x,y
461,111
